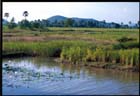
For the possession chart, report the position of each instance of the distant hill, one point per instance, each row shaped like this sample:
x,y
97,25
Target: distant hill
x,y
62,21
84,19
59,18
58,21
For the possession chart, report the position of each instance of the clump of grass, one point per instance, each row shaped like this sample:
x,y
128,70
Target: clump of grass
x,y
125,39
126,45
89,55
128,58
100,54
74,54
36,34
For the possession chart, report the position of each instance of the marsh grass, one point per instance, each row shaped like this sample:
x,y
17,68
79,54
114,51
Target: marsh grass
x,y
78,45
128,58
49,49
127,45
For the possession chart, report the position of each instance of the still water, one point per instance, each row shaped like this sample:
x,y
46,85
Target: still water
x,y
43,76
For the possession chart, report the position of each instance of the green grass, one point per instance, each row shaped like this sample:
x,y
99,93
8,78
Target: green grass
x,y
49,49
83,54
127,45
98,35
78,45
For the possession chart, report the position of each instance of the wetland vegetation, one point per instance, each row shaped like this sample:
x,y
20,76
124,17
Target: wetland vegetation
x,y
118,48
70,55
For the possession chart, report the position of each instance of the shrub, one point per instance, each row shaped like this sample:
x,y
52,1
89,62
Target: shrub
x,y
125,39
126,45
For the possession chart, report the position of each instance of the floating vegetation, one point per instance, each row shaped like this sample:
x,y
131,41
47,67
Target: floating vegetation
x,y
32,75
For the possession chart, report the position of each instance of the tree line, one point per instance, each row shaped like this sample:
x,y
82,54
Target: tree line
x,y
69,22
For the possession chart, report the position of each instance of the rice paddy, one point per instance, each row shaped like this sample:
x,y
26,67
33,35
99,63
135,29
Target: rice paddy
x,y
76,45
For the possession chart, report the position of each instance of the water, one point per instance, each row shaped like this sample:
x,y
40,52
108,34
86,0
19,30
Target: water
x,y
43,76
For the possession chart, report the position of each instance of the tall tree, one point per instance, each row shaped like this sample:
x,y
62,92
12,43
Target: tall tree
x,y
6,15
12,24
104,21
24,24
62,23
122,24
25,14
68,22
90,24
82,23
130,22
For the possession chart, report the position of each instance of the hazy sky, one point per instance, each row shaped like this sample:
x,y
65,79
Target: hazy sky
x,y
109,11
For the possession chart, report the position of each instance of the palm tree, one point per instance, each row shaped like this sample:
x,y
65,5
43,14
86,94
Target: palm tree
x,y
121,24
25,14
6,15
130,22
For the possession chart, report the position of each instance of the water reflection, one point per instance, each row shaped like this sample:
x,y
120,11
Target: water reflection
x,y
47,64
38,71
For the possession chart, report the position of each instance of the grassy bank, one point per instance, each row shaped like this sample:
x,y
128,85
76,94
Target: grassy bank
x,y
129,57
119,47
75,52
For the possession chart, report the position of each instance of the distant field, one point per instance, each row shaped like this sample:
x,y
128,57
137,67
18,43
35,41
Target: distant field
x,y
90,34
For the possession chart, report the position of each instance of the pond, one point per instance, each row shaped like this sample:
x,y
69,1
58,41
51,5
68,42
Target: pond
x,y
43,76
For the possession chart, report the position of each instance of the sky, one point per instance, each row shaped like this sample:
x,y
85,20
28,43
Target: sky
x,y
110,11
